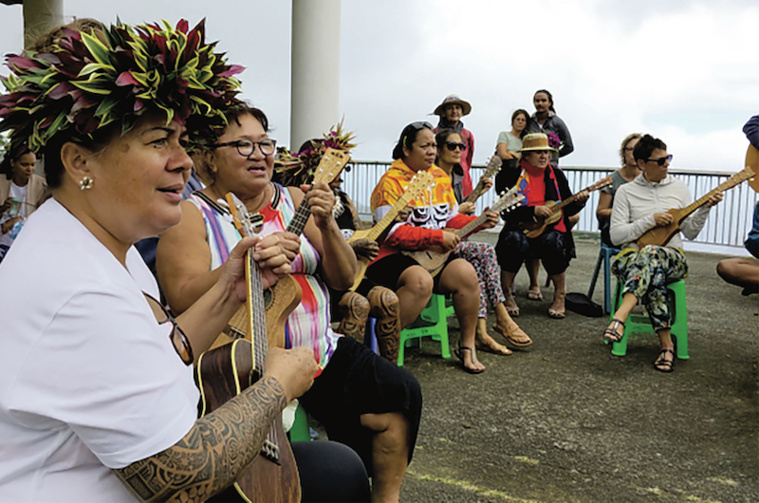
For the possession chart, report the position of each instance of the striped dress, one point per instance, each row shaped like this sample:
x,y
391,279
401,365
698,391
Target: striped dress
x,y
309,324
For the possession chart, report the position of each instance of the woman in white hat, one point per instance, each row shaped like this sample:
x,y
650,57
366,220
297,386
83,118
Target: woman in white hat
x,y
450,111
539,183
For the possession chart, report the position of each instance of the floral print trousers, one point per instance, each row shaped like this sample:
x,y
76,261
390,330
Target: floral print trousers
x,y
646,274
482,257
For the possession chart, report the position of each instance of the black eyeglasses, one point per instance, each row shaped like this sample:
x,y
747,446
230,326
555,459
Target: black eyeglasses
x,y
178,338
246,147
661,160
452,145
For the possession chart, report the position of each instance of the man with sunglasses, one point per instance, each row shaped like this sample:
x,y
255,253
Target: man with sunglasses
x,y
645,273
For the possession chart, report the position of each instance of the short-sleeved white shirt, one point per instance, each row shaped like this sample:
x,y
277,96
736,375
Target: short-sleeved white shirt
x,y
89,381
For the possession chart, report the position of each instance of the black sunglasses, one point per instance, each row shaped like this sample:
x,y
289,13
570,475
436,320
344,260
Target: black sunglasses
x,y
661,160
178,338
420,125
452,145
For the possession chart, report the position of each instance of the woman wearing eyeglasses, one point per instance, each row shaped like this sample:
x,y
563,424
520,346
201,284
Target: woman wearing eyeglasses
x,y
432,215
97,397
480,255
645,273
362,399
539,183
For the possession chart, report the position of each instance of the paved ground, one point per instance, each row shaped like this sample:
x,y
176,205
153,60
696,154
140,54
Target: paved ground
x,y
568,422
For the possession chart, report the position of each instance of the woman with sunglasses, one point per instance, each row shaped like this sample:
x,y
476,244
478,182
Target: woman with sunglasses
x,y
362,399
539,182
426,229
480,255
21,192
645,273
98,401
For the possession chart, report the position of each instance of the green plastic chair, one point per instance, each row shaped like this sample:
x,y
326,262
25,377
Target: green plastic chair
x,y
637,323
432,322
299,431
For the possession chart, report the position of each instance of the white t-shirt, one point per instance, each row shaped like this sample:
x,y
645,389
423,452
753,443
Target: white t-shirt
x,y
89,380
16,210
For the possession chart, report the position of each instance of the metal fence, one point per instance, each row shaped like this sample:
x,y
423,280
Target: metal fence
x,y
727,225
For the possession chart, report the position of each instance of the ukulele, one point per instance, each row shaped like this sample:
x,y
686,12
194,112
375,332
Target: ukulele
x,y
434,261
535,229
418,184
226,371
493,167
661,235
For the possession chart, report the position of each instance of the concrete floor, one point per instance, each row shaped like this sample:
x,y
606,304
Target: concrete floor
x,y
568,422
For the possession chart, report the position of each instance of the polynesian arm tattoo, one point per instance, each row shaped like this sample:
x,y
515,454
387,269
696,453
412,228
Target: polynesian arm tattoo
x,y
214,451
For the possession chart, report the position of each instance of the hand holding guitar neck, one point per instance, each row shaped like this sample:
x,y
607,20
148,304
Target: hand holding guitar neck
x,y
486,180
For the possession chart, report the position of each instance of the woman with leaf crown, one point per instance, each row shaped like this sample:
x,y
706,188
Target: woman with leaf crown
x,y
97,401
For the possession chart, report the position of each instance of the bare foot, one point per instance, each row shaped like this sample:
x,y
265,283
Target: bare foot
x,y
556,310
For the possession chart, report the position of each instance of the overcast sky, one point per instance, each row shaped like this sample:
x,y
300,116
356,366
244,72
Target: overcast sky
x,y
686,71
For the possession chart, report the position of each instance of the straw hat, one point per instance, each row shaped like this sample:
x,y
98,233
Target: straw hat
x,y
452,99
536,141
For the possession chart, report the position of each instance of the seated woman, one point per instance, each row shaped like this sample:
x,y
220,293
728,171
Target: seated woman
x,y
426,229
744,272
103,406
363,400
540,183
638,207
21,192
351,308
626,173
480,255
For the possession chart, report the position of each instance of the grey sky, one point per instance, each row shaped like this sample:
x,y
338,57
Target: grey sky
x,y
682,70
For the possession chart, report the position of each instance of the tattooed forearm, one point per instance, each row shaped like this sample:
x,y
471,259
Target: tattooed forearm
x,y
213,453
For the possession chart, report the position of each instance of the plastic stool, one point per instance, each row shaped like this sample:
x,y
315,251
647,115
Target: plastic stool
x,y
604,257
299,431
642,324
432,322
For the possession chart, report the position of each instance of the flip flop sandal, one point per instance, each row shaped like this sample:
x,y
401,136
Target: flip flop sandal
x,y
460,355
611,334
492,346
535,295
663,365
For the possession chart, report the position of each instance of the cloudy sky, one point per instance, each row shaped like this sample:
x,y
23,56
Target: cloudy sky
x,y
686,71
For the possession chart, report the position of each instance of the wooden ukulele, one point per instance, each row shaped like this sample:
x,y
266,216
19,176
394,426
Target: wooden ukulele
x,y
661,235
492,169
434,261
535,229
226,371
420,182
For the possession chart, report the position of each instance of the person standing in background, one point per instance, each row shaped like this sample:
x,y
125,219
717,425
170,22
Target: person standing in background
x,y
507,148
450,111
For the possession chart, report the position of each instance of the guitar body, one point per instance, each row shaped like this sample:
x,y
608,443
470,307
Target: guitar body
x,y
660,236
222,374
535,229
281,299
433,261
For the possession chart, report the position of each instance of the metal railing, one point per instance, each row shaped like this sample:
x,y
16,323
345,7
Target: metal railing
x,y
727,225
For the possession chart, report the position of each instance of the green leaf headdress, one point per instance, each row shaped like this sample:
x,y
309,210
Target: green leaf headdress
x,y
297,169
84,81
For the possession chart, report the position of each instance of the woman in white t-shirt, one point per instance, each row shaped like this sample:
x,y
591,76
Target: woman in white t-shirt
x,y
97,399
507,147
21,192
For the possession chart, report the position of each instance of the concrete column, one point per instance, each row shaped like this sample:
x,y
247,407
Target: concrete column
x,y
40,16
315,91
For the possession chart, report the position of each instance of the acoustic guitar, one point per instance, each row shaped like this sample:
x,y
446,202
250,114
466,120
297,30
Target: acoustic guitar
x,y
661,235
434,261
226,371
492,169
418,184
535,229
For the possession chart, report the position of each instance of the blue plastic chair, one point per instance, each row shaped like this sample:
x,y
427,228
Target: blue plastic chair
x,y
604,258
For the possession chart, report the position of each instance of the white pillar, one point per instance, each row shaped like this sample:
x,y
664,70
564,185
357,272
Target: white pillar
x,y
41,16
315,91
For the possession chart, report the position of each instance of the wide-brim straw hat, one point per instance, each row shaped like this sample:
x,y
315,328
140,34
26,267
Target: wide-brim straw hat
x,y
452,99
536,141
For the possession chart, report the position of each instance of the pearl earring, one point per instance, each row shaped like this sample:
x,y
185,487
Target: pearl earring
x,y
86,183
